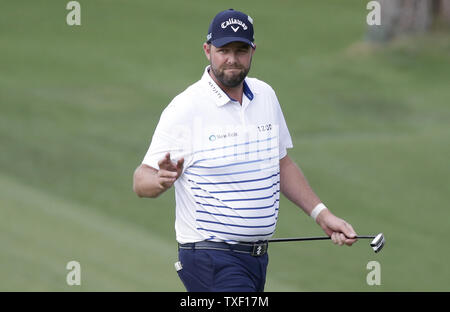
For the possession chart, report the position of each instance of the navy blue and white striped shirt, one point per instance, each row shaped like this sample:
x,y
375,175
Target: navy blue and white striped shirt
x,y
230,187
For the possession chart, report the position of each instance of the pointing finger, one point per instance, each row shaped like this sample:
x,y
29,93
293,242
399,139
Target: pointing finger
x,y
164,160
167,164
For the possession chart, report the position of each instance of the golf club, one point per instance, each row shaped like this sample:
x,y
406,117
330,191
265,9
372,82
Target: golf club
x,y
377,242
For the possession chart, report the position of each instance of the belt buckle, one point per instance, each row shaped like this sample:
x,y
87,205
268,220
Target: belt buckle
x,y
259,249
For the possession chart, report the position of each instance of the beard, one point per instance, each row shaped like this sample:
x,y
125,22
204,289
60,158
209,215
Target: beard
x,y
227,79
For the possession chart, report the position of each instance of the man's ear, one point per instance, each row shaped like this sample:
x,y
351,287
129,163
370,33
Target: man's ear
x,y
207,50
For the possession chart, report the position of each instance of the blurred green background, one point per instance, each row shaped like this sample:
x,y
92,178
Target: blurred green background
x,y
79,104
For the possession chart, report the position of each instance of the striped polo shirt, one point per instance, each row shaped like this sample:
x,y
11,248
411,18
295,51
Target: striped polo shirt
x,y
230,186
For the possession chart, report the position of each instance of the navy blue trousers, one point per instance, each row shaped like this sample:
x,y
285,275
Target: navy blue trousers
x,y
222,271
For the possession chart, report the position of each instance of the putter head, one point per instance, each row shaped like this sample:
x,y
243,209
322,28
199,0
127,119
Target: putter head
x,y
378,242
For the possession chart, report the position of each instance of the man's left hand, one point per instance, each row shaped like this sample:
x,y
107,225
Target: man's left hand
x,y
339,230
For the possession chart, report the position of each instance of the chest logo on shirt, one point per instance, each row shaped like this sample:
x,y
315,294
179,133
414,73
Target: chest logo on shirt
x,y
214,137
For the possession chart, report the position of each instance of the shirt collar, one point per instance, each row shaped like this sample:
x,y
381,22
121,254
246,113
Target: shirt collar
x,y
219,96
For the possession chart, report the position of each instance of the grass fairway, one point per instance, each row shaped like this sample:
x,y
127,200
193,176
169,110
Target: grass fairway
x,y
78,106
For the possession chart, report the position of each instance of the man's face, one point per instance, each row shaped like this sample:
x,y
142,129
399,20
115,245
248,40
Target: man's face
x,y
231,63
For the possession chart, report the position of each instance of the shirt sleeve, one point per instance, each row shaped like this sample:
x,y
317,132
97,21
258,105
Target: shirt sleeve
x,y
171,135
284,139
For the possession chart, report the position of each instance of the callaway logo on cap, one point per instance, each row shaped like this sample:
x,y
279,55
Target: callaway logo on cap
x,y
228,26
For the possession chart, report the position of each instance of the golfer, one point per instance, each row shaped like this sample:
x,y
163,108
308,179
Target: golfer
x,y
223,143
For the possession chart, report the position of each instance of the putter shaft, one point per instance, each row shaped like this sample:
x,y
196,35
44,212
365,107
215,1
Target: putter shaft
x,y
293,239
377,243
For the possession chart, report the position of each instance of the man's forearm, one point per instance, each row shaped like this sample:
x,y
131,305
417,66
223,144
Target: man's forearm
x,y
295,187
145,182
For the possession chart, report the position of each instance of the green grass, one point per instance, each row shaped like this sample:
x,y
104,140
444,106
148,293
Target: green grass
x,y
78,106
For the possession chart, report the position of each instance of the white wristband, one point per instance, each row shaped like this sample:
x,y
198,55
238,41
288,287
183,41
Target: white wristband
x,y
318,209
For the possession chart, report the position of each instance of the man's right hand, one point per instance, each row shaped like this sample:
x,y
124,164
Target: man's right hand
x,y
169,171
150,182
